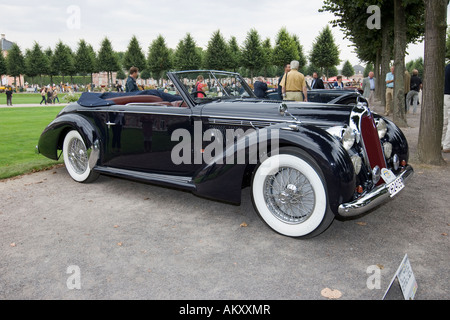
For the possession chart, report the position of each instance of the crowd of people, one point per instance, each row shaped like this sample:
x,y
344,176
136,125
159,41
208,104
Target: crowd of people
x,y
49,95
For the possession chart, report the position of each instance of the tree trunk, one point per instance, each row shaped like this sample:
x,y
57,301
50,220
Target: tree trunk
x,y
378,75
399,112
431,120
385,59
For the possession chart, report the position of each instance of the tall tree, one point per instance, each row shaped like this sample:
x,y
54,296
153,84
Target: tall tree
x,y
267,50
187,56
325,52
107,59
301,55
15,63
399,112
431,120
50,70
285,49
72,69
217,55
37,62
347,69
84,59
374,44
93,55
235,54
159,57
3,69
252,53
416,64
134,57
62,60
369,68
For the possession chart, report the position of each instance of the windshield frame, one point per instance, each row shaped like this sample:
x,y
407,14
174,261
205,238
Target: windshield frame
x,y
175,77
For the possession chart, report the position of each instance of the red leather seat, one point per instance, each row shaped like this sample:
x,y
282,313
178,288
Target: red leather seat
x,y
179,104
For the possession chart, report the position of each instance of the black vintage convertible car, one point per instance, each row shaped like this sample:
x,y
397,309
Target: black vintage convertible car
x,y
305,163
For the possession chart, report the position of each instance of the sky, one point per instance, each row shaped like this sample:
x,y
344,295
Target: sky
x,y
48,21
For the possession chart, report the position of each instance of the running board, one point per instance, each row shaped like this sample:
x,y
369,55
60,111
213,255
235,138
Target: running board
x,y
161,179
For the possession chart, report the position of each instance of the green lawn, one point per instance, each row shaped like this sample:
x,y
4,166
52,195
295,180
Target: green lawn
x,y
28,98
20,129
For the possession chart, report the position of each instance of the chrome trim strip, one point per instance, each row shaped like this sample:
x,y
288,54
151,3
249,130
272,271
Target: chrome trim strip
x,y
161,179
147,112
373,199
252,119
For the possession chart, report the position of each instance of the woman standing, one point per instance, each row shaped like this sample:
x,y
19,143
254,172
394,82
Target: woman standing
x,y
43,94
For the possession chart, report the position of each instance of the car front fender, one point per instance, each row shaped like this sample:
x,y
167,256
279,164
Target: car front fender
x,y
223,180
52,137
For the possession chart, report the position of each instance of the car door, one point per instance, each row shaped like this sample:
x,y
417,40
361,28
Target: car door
x,y
139,138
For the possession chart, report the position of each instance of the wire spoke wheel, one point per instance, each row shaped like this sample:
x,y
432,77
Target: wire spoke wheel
x,y
289,194
78,155
76,158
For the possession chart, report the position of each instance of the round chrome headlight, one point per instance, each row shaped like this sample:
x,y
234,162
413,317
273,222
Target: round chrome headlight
x,y
387,149
357,164
348,138
382,128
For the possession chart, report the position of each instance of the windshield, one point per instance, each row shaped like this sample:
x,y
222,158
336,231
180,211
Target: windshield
x,y
204,86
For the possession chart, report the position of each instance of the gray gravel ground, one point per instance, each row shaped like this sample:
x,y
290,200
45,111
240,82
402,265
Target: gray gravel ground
x,y
138,241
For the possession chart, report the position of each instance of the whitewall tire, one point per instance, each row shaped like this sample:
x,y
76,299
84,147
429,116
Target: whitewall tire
x,y
289,194
76,158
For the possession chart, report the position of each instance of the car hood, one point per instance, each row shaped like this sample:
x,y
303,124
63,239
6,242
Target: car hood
x,y
319,114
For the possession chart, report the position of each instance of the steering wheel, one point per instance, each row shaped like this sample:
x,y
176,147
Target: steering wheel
x,y
196,92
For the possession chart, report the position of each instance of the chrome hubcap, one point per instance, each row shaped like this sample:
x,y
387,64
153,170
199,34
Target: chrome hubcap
x,y
289,195
78,156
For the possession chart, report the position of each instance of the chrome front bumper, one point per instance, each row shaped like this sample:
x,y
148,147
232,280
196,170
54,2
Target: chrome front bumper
x,y
372,199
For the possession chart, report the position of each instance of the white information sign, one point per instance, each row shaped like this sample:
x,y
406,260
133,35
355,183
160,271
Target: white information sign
x,y
406,280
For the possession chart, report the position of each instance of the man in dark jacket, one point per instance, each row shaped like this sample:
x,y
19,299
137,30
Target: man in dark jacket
x,y
131,85
9,94
317,83
260,88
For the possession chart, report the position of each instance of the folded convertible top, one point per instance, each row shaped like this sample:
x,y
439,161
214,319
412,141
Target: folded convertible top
x,y
92,99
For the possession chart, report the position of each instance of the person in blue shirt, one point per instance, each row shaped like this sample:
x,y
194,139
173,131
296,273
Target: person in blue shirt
x,y
338,84
389,91
131,85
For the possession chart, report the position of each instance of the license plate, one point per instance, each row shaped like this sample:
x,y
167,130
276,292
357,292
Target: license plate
x,y
396,186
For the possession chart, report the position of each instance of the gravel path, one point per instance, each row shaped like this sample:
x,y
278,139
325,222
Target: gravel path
x,y
135,241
